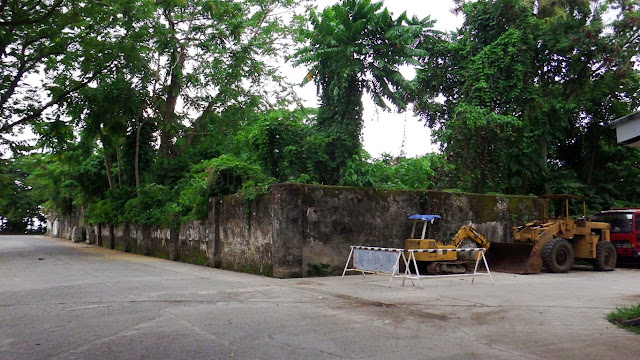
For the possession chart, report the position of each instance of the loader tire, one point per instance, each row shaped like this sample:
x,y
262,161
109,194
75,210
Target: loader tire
x,y
606,256
557,255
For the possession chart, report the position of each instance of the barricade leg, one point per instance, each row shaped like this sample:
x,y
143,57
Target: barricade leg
x,y
407,270
346,266
486,266
415,264
396,267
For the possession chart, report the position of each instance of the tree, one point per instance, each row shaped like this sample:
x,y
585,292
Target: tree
x,y
521,80
354,47
210,56
19,209
180,83
105,113
51,49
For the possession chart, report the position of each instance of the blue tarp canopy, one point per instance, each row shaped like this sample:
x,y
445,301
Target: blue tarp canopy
x,y
425,217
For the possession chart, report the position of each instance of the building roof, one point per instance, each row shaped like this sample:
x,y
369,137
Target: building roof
x,y
619,121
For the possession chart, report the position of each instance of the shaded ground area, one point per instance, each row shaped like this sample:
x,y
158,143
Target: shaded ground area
x,y
630,263
60,300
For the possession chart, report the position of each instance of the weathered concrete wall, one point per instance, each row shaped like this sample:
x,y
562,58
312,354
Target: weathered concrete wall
x,y
193,242
295,227
160,243
61,226
245,235
318,224
492,215
78,234
107,235
121,237
91,235
333,219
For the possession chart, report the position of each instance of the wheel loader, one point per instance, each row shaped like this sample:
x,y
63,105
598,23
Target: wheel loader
x,y
446,261
555,243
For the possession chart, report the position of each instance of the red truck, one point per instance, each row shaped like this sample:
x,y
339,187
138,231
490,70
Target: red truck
x,y
625,230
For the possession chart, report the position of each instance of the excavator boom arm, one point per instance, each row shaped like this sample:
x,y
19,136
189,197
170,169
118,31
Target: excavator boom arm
x,y
468,232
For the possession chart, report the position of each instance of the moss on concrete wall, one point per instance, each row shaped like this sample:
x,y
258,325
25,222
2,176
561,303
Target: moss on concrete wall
x,y
296,227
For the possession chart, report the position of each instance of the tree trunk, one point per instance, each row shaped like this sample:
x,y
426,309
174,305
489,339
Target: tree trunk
x,y
591,165
137,159
107,165
119,167
178,57
543,147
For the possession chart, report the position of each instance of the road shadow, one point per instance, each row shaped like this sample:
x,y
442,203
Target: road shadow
x,y
632,263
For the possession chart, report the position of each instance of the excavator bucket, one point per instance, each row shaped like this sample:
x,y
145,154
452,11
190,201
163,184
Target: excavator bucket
x,y
516,258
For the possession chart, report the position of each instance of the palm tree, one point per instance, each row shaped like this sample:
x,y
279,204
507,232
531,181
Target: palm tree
x,y
354,47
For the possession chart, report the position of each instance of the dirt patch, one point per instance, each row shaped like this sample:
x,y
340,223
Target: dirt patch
x,y
487,317
363,302
633,299
304,283
430,316
115,255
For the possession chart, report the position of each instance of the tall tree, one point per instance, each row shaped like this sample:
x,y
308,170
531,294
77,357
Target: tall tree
x,y
522,78
19,209
51,49
354,47
211,56
174,73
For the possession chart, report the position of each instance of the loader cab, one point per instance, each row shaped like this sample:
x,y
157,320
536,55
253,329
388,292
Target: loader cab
x,y
625,230
561,206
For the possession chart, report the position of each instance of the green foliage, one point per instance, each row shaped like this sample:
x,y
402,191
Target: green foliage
x,y
66,45
218,59
154,205
54,185
161,105
625,313
356,46
108,210
394,173
218,177
18,207
528,91
317,269
287,148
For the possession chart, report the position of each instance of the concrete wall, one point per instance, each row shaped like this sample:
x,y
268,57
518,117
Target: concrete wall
x,y
318,224
193,242
295,227
246,235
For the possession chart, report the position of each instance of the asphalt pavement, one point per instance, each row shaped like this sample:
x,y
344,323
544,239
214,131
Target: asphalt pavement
x,y
60,300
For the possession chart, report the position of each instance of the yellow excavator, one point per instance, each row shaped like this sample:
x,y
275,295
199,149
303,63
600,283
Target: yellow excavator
x,y
445,261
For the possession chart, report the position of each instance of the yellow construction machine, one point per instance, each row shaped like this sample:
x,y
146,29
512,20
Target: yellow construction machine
x,y
555,243
444,261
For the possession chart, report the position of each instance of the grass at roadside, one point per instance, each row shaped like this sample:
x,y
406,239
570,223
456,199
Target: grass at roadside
x,y
625,313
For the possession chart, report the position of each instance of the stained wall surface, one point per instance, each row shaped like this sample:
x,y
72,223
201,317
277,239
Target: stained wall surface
x,y
295,228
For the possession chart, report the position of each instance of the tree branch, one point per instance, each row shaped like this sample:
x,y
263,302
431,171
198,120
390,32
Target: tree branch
x,y
7,127
30,21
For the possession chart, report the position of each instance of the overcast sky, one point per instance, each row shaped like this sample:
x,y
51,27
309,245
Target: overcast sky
x,y
383,131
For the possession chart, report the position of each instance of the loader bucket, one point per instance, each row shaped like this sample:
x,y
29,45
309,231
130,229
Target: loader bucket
x,y
515,258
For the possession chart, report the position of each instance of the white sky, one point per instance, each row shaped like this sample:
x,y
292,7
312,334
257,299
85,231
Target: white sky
x,y
383,131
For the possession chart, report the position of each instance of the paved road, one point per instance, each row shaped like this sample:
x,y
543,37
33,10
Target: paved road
x,y
60,300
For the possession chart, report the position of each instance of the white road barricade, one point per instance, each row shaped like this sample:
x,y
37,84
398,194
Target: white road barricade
x,y
381,260
417,276
375,260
